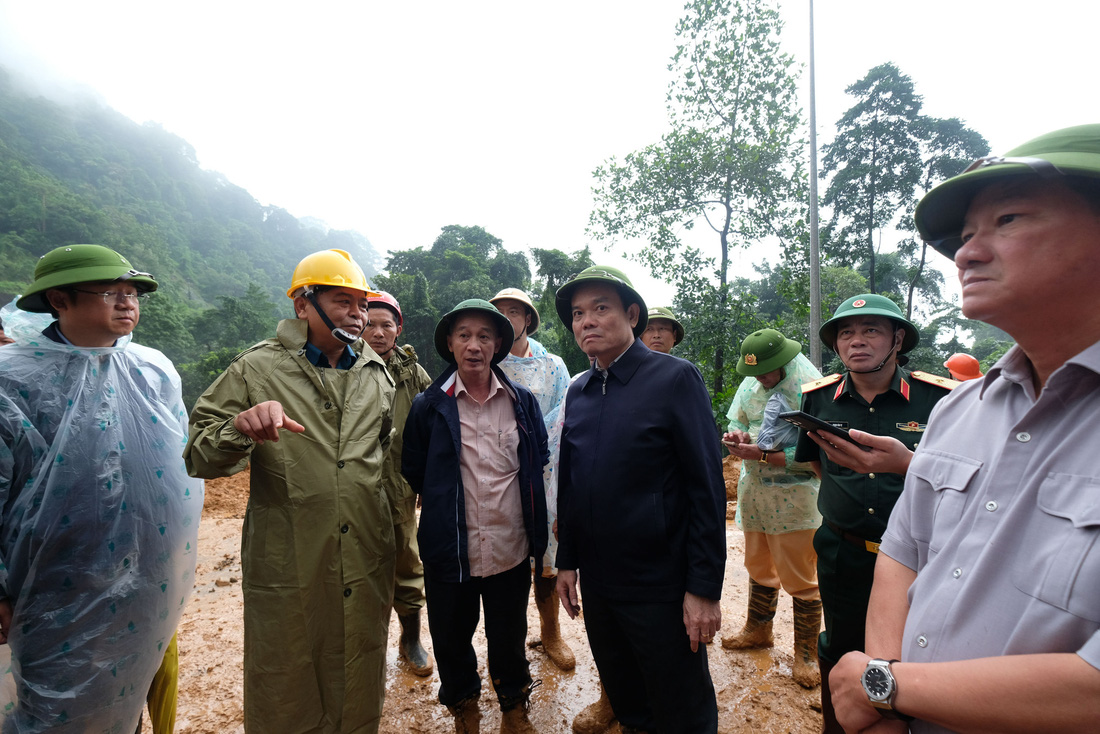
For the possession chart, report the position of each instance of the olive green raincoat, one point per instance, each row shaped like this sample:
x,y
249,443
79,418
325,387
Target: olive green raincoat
x,y
318,546
410,379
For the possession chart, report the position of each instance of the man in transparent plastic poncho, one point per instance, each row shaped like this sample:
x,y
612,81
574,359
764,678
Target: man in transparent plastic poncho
x,y
776,498
546,376
100,520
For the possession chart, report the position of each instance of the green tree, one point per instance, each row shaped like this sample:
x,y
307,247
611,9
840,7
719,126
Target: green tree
x,y
554,268
875,162
948,146
198,375
885,154
463,262
237,322
731,162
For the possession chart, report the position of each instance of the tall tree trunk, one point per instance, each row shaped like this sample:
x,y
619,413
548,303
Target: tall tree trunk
x,y
915,280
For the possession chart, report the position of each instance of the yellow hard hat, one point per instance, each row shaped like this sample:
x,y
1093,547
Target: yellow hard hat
x,y
329,267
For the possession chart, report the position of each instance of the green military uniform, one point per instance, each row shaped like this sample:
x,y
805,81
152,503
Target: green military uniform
x,y
317,547
410,380
854,506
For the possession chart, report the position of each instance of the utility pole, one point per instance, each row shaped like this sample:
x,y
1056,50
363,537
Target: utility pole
x,y
815,258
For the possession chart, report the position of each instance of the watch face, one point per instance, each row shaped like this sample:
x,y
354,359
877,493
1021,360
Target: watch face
x,y
877,683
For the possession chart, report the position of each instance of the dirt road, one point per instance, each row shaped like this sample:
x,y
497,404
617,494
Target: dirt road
x,y
755,691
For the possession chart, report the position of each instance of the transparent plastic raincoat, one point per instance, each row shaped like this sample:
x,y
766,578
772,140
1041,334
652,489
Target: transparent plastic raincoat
x,y
546,376
774,499
98,532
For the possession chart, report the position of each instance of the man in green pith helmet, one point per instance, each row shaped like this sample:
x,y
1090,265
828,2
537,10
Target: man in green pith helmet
x,y
311,410
475,447
776,499
99,529
642,511
877,397
410,379
987,587
663,331
545,375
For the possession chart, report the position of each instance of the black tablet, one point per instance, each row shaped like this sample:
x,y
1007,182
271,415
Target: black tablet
x,y
808,422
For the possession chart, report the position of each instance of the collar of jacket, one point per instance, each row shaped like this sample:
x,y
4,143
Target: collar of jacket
x,y
624,367
292,334
443,388
898,384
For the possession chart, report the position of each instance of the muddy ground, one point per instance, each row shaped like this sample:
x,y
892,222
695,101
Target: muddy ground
x,y
755,690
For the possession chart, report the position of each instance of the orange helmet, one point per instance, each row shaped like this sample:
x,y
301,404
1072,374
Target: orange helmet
x,y
963,366
329,267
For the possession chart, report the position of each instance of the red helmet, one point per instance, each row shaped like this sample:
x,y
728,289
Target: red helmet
x,y
385,299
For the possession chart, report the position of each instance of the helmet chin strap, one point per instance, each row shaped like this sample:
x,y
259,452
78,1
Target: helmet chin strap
x,y
515,337
337,332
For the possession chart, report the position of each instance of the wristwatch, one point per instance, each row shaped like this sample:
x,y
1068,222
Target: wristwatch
x,y
881,688
764,456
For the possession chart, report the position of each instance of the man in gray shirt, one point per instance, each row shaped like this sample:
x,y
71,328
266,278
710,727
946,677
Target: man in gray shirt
x,y
987,585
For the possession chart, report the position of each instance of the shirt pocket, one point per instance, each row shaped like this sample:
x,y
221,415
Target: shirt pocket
x,y
503,454
1060,562
947,477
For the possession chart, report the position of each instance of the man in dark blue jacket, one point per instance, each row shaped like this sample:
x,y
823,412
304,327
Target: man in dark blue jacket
x,y
641,512
474,448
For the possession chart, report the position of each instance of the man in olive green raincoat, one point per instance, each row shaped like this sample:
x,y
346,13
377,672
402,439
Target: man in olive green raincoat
x,y
313,410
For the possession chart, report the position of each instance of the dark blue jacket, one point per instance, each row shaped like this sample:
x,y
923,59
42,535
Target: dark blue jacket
x,y
430,462
641,499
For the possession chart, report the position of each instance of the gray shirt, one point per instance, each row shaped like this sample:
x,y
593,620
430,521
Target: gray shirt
x,y
1000,518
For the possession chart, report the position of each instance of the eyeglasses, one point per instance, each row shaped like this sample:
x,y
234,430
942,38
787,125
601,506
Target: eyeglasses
x,y
132,299
1044,168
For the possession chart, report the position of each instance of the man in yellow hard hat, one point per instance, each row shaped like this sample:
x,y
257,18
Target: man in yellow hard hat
x,y
312,410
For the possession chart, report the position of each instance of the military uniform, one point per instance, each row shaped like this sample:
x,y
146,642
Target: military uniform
x,y
854,506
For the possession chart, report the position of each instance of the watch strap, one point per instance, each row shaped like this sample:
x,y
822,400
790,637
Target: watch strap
x,y
886,708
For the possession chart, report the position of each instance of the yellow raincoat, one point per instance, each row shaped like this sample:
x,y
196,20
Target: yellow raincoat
x,y
318,545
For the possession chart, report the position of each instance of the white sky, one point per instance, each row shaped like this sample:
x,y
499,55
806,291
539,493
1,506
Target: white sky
x,y
396,119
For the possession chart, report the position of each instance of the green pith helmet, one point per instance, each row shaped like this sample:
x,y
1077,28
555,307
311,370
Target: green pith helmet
x,y
474,305
765,351
1071,151
869,304
660,312
516,294
563,302
74,264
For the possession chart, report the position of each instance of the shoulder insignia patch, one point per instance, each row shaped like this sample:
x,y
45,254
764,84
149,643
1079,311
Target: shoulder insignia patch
x,y
945,382
818,384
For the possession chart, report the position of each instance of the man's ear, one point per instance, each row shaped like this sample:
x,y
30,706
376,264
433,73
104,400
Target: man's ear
x,y
633,313
300,306
58,299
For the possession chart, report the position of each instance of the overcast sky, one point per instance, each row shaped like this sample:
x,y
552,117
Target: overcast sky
x,y
396,119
